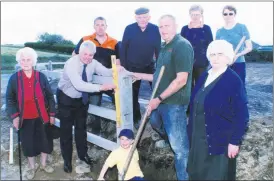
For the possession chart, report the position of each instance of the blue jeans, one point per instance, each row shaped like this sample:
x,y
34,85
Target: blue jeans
x,y
137,178
171,120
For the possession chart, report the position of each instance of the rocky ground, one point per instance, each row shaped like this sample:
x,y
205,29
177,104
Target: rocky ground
x,y
255,161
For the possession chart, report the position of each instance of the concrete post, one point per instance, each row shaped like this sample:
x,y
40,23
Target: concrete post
x,y
126,103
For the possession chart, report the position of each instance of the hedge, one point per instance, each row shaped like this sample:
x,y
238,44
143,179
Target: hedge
x,y
256,56
253,56
60,48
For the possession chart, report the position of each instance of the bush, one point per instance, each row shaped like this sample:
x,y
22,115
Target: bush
x,y
60,48
52,42
255,56
53,39
63,48
38,45
67,42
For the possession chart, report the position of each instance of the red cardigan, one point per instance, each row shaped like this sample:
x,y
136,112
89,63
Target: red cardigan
x,y
44,100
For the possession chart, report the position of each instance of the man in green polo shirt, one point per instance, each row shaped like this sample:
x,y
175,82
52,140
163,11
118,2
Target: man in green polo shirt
x,y
168,108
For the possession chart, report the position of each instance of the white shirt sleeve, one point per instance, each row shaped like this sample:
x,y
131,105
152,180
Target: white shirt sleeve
x,y
102,70
76,79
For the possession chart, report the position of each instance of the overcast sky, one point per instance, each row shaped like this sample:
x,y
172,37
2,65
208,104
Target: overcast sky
x,y
22,21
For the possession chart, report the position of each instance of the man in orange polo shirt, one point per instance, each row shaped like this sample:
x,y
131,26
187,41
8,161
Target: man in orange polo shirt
x,y
105,47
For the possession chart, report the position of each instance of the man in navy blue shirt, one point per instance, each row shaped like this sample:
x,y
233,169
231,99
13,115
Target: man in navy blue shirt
x,y
140,44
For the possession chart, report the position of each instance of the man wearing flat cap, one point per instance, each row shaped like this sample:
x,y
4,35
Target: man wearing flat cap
x,y
141,42
141,10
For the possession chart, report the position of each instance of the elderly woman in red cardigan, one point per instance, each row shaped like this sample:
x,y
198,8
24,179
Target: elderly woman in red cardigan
x,y
31,106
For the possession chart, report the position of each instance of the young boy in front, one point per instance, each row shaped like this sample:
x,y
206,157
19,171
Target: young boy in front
x,y
118,157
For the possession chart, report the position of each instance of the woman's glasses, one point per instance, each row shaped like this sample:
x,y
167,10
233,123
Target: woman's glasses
x,y
216,54
230,14
195,15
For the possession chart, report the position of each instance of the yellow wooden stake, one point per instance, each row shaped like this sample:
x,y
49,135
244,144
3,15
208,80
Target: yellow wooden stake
x,y
117,95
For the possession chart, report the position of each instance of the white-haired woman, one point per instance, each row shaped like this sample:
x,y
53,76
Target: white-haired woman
x,y
31,106
218,117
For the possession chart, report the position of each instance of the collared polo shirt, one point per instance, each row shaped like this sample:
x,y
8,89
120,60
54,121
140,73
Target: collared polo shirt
x,y
177,56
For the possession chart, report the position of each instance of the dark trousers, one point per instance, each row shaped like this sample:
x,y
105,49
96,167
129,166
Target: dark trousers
x,y
71,111
240,69
197,71
136,106
96,99
135,90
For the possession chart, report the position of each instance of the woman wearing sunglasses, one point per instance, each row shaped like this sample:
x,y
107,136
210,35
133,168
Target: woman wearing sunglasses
x,y
199,35
233,32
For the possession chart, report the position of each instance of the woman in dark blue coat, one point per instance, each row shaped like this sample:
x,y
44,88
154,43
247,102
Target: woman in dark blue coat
x,y
218,117
199,35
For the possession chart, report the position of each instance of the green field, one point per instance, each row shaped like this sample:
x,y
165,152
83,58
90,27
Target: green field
x,y
8,55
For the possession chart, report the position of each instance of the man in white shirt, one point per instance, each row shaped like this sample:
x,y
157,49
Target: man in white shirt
x,y
72,98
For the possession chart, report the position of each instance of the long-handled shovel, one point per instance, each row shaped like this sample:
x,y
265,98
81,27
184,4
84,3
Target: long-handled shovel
x,y
239,46
139,132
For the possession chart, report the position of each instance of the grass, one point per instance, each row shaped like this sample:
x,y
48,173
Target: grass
x,y
12,51
8,61
7,71
13,46
8,55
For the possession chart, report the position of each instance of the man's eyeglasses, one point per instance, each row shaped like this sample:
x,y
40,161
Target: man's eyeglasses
x,y
230,14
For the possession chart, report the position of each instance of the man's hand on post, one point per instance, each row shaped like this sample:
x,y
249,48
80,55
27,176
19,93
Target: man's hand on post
x,y
135,77
106,87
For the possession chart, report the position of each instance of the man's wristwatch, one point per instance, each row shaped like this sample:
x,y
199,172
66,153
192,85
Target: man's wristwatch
x,y
159,97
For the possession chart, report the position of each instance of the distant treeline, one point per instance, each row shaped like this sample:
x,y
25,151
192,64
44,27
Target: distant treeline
x,y
57,43
52,42
258,55
59,48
